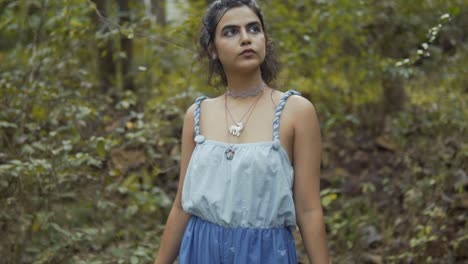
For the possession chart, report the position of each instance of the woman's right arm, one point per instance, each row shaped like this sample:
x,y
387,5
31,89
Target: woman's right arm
x,y
178,218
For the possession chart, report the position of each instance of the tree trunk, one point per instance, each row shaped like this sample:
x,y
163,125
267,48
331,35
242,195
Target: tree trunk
x,y
159,9
394,95
105,63
126,45
107,67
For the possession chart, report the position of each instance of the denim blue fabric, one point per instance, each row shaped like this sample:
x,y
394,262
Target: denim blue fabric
x,y
248,197
206,243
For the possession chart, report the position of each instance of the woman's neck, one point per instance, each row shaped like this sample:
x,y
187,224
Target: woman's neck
x,y
242,82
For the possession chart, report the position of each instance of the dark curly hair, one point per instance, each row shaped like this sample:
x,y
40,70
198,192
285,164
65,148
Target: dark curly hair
x,y
214,13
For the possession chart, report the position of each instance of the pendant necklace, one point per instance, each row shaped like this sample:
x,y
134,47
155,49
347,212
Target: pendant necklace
x,y
229,152
235,129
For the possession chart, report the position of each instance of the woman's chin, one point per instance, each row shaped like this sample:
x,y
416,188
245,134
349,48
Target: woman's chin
x,y
247,66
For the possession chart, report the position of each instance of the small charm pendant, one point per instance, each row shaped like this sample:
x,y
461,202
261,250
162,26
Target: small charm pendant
x,y
236,129
229,153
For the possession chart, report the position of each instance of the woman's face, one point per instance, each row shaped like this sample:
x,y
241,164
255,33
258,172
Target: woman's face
x,y
239,40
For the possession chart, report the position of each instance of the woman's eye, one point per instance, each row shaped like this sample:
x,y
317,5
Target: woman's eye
x,y
230,32
254,29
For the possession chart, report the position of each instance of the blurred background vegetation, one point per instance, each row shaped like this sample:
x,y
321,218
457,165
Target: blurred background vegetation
x,y
92,97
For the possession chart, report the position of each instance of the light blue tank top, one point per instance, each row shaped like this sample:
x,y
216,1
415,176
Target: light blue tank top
x,y
253,189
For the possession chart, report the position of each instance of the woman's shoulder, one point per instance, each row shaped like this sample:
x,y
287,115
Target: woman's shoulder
x,y
300,106
297,101
203,101
212,103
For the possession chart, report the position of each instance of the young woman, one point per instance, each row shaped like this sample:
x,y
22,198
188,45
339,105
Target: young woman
x,y
245,180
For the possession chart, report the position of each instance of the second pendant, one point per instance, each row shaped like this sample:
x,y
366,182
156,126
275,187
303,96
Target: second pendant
x,y
229,153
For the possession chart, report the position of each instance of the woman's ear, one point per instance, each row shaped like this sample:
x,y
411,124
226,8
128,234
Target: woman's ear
x,y
212,52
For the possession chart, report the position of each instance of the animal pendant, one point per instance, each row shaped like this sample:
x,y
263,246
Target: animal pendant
x,y
236,129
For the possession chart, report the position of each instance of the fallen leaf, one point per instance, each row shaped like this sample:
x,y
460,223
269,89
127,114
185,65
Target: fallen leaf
x,y
385,142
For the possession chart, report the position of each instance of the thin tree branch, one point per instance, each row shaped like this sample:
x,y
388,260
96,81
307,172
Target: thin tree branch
x,y
109,21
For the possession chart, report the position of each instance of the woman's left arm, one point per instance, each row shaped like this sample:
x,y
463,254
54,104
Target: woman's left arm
x,y
306,162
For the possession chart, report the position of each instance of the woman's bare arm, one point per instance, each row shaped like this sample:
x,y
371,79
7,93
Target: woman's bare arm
x,y
178,218
306,162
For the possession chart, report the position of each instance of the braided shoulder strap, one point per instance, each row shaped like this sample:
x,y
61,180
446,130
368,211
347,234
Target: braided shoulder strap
x,y
279,110
197,114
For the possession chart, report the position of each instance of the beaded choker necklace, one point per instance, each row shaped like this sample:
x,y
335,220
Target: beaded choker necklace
x,y
246,93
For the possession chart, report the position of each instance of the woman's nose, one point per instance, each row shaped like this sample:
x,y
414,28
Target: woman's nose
x,y
245,37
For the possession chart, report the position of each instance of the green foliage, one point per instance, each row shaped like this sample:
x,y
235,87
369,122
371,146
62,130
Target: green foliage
x,y
88,176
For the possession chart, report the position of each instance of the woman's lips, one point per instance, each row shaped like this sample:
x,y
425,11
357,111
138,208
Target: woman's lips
x,y
247,52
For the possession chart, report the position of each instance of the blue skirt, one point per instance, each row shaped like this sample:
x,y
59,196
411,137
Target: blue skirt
x,y
207,243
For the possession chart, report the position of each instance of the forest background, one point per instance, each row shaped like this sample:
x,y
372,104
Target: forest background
x,y
92,98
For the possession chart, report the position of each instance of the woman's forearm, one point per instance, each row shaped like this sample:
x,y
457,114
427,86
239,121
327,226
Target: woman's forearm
x,y
312,228
172,236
